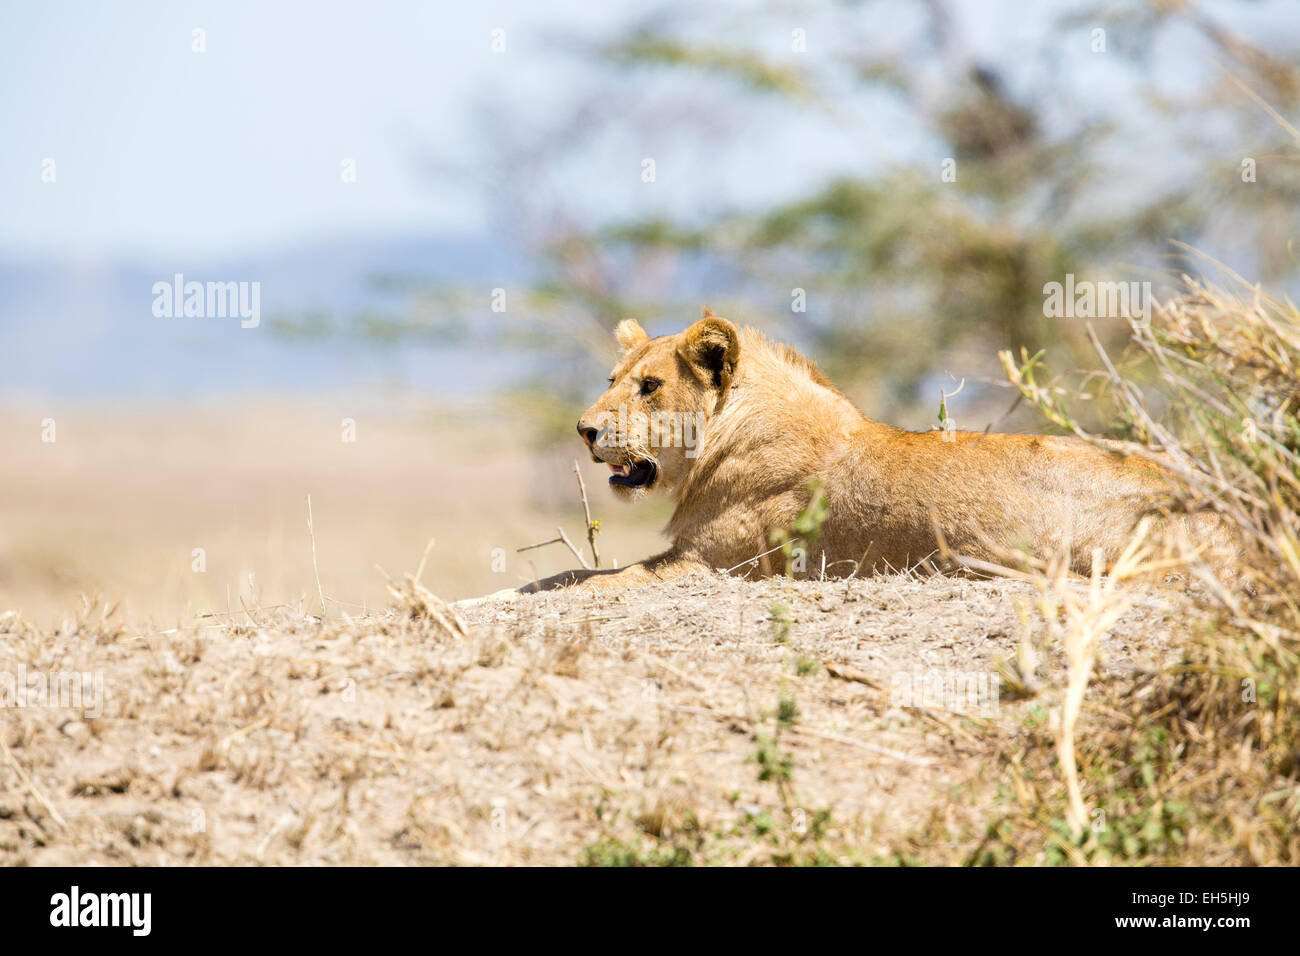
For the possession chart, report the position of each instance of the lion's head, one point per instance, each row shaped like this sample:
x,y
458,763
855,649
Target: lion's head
x,y
647,425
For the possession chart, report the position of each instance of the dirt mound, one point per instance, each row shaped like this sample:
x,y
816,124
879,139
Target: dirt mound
x,y
710,720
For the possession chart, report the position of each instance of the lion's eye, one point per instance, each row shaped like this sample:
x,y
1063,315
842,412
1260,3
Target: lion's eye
x,y
649,385
611,380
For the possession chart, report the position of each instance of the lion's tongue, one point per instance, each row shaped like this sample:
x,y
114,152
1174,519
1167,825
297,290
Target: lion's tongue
x,y
618,469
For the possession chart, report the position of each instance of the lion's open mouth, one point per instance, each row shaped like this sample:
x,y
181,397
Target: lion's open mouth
x,y
640,474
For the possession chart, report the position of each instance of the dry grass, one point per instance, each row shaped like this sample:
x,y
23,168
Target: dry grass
x,y
561,728
1197,761
710,721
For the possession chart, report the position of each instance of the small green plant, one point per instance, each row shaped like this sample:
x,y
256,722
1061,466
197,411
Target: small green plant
x,y
611,852
801,840
783,835
774,765
806,665
779,615
805,530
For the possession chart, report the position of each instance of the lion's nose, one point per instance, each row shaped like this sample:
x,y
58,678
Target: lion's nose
x,y
588,434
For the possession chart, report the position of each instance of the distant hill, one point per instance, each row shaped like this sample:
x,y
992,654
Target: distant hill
x,y
83,330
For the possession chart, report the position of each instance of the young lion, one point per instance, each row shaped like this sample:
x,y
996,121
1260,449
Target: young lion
x,y
735,429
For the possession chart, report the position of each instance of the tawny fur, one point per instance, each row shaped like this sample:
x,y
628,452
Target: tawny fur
x,y
773,422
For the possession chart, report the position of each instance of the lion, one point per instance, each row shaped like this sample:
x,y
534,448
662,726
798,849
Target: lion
x,y
741,432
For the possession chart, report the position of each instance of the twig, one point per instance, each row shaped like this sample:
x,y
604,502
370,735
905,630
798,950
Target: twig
x,y
260,607
809,732
256,622
592,526
316,568
863,745
562,539
231,737
848,673
419,571
423,604
754,559
35,791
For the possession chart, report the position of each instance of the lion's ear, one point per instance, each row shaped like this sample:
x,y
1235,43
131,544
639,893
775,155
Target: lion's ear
x,y
630,335
712,347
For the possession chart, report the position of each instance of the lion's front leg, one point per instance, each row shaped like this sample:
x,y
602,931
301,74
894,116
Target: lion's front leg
x,y
663,567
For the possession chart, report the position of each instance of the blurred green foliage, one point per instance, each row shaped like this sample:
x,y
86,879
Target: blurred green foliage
x,y
1022,172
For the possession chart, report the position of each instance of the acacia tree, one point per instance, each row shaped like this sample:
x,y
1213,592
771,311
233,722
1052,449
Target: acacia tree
x,y
1067,151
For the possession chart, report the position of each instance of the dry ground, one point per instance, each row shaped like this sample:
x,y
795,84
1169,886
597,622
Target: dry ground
x,y
564,728
239,728
116,505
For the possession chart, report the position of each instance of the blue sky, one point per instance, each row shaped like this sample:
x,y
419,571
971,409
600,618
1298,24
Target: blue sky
x,y
163,152
227,162
158,148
